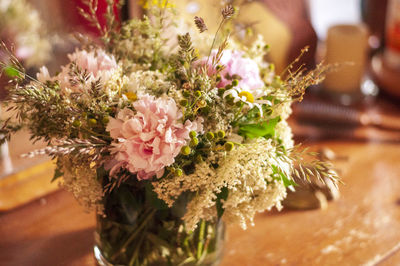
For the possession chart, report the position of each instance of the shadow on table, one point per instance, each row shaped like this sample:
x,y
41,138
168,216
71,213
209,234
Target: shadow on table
x,y
62,249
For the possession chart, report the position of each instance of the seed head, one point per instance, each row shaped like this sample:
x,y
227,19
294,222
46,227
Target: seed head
x,y
200,24
228,11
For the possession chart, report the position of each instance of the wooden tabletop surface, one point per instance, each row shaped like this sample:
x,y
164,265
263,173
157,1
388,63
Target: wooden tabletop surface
x,y
361,228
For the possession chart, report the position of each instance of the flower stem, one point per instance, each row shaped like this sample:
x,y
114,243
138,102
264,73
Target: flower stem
x,y
135,254
215,37
133,235
201,239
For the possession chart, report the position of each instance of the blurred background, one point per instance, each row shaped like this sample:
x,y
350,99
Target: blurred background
x,y
357,102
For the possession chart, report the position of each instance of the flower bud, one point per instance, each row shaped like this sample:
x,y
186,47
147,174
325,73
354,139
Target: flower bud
x,y
235,82
178,172
229,146
76,123
194,142
192,134
105,120
92,122
186,150
197,93
221,134
210,135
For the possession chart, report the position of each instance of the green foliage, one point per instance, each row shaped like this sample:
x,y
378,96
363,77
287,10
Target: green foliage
x,y
12,72
264,129
36,103
278,174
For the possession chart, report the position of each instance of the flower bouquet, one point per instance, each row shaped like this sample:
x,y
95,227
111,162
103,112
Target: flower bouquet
x,y
167,140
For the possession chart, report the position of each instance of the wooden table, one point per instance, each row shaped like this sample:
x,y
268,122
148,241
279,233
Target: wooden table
x,y
361,228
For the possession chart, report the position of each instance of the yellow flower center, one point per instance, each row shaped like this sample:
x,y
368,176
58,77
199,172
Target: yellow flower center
x,y
131,96
248,95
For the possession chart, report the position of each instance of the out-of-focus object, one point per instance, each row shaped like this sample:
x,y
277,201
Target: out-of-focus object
x,y
295,14
343,115
5,160
261,20
64,17
387,78
327,13
374,16
385,66
22,29
317,119
284,24
308,132
347,46
25,34
392,50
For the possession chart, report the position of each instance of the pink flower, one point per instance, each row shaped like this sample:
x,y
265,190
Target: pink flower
x,y
150,138
236,64
97,63
250,87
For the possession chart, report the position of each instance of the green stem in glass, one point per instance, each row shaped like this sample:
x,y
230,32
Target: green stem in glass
x,y
201,239
134,234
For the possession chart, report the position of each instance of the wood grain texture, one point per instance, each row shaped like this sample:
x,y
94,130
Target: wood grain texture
x,y
27,185
362,227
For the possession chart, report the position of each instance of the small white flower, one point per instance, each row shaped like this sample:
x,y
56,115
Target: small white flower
x,y
246,97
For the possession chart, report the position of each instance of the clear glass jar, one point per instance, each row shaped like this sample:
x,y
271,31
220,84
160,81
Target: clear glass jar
x,y
139,229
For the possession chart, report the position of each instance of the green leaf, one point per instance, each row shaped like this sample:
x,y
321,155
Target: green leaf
x,y
278,174
223,195
11,72
264,129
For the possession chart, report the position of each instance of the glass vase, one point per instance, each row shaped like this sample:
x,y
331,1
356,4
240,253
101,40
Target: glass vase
x,y
139,229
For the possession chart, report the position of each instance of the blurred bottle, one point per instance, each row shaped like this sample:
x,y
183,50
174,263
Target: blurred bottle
x,y
346,45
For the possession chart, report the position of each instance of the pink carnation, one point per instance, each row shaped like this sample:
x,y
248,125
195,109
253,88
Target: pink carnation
x,y
97,63
150,138
236,64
